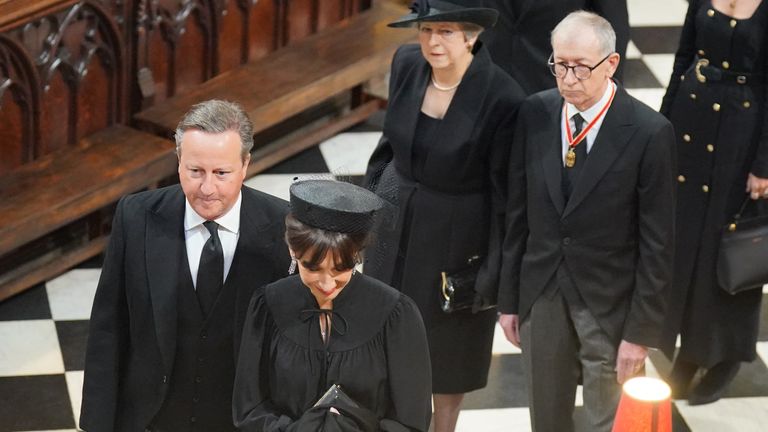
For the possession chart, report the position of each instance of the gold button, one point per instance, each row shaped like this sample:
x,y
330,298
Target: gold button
x,y
716,106
687,138
681,178
710,148
693,96
705,188
732,227
726,65
733,23
710,13
701,52
747,104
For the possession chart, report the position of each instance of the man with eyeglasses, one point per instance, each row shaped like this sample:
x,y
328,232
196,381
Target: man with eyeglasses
x,y
590,224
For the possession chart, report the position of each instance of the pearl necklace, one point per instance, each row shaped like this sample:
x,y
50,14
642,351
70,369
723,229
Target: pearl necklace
x,y
441,88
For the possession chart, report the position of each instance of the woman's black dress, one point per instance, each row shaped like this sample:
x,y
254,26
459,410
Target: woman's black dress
x,y
722,135
377,353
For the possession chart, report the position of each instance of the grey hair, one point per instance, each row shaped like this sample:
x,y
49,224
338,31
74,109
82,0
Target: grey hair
x,y
471,29
217,116
580,20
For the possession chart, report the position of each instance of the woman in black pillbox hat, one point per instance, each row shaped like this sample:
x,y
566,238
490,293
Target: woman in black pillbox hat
x,y
331,348
446,141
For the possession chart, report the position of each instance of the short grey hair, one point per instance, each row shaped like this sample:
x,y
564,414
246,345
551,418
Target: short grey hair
x,y
581,20
217,116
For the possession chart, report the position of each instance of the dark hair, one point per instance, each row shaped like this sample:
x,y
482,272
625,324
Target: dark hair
x,y
304,239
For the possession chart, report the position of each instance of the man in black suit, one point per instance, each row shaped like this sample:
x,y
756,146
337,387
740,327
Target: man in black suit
x,y
590,221
519,42
179,271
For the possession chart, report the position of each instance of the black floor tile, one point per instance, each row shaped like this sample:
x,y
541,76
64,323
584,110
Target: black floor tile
x,y
506,385
30,304
35,403
656,40
73,336
308,161
637,75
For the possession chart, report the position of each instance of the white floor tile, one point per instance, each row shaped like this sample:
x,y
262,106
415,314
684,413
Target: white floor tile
x,y
727,415
651,97
494,420
75,387
347,154
762,351
661,66
278,184
632,51
29,348
71,294
656,12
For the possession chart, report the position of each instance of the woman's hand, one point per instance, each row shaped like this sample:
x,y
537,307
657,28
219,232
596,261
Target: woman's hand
x,y
757,187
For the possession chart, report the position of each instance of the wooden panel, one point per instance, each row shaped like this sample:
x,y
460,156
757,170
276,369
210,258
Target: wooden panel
x,y
300,19
299,76
263,29
65,44
18,93
174,47
329,12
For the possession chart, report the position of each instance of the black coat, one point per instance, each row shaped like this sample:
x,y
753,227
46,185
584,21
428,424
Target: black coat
x,y
452,204
716,151
520,41
614,234
377,352
132,339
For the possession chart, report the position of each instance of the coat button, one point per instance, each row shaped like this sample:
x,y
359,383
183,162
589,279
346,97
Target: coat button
x,y
693,96
716,107
192,419
682,77
203,335
686,138
726,65
746,104
705,188
681,178
195,399
733,23
198,379
567,241
710,13
165,379
710,148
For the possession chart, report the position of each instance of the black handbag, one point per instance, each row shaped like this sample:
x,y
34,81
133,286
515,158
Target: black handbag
x,y
742,262
457,289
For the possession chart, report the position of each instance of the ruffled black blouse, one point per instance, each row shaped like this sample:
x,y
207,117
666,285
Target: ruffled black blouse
x,y
377,353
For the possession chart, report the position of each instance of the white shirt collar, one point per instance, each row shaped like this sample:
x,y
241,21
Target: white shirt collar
x,y
589,114
230,220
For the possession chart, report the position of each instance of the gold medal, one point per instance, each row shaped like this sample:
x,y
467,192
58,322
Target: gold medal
x,y
570,158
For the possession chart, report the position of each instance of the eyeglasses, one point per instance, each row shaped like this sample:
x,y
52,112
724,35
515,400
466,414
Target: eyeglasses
x,y
581,72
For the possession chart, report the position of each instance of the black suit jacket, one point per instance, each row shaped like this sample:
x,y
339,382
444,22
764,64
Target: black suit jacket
x,y
132,340
614,235
520,41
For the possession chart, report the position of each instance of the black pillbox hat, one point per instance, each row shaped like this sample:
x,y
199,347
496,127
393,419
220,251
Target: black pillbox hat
x,y
334,206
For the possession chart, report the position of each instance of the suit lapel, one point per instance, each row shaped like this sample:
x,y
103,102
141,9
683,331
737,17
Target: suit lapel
x,y
550,144
412,97
164,253
615,132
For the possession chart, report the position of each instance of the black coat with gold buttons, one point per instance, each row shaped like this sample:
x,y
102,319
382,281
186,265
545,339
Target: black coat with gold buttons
x,y
716,101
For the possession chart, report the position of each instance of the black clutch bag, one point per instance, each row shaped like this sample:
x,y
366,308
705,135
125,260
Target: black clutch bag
x,y
457,289
742,262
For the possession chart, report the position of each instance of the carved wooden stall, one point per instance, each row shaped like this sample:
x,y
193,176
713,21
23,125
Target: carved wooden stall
x,y
72,76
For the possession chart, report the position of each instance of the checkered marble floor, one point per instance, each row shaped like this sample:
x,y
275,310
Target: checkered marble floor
x,y
44,330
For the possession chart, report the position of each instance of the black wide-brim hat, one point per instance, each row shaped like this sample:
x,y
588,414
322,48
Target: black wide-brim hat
x,y
443,11
334,205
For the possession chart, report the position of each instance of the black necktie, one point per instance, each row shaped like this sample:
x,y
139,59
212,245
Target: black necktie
x,y
210,273
571,174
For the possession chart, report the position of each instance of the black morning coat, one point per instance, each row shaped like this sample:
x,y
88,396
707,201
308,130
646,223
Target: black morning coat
x,y
615,234
133,327
456,208
520,41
